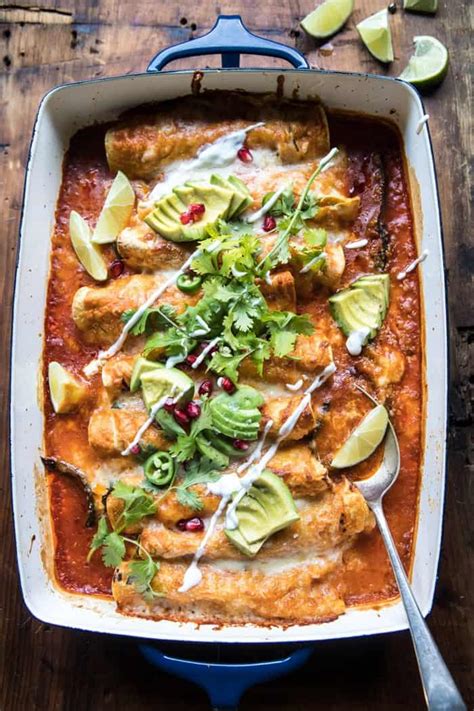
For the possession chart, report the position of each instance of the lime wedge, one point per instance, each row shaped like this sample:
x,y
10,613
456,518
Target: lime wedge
x,y
327,18
429,6
428,66
375,34
65,391
116,211
364,440
87,253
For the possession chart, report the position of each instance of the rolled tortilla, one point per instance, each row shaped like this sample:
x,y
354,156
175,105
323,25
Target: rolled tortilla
x,y
325,524
252,595
143,145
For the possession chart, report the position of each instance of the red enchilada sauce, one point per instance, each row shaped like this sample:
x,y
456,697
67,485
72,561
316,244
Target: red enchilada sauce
x,y
367,577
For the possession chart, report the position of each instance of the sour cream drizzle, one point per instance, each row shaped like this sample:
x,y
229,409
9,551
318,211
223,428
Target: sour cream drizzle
x,y
401,275
357,244
356,340
193,575
218,154
268,206
136,440
295,386
204,353
308,266
95,365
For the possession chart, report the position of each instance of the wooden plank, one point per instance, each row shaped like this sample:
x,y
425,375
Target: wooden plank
x,y
59,41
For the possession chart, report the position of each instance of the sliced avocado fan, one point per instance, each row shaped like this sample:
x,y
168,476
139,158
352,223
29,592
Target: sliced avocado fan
x,y
223,198
237,415
363,305
267,507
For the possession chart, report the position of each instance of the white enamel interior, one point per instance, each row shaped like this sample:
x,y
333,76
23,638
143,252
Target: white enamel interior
x,y
62,113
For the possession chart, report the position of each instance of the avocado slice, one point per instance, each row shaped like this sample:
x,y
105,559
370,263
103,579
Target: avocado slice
x,y
225,446
241,197
250,549
165,381
267,507
142,366
363,304
237,415
155,220
377,284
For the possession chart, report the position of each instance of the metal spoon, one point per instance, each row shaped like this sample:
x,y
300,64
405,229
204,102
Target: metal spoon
x,y
441,693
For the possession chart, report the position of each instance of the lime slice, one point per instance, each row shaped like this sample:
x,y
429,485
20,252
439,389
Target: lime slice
x,y
428,66
116,211
327,18
65,391
87,253
375,34
364,440
429,6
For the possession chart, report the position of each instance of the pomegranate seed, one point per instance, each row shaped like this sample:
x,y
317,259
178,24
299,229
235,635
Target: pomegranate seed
x,y
240,444
116,268
180,416
227,385
170,405
185,218
269,223
244,155
206,387
135,449
191,359
191,524
193,410
197,210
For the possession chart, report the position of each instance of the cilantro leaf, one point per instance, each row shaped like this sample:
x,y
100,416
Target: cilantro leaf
x,y
315,237
137,504
185,446
113,551
200,471
189,499
284,328
225,362
141,576
151,320
283,207
100,536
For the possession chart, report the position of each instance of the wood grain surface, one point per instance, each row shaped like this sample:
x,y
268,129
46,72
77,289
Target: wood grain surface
x,y
60,41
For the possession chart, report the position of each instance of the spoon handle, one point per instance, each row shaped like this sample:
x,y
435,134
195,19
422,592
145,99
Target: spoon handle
x,y
441,693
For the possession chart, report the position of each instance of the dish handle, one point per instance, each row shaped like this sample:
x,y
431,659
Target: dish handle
x,y
230,38
225,683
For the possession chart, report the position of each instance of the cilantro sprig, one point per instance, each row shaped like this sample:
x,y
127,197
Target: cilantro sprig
x,y
231,307
152,319
138,504
294,220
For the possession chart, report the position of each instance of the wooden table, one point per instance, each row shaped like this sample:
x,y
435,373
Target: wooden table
x,y
63,41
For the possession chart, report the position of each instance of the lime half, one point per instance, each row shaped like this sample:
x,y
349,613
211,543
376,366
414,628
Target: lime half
x,y
429,6
428,66
65,391
364,440
375,34
87,253
116,211
327,18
